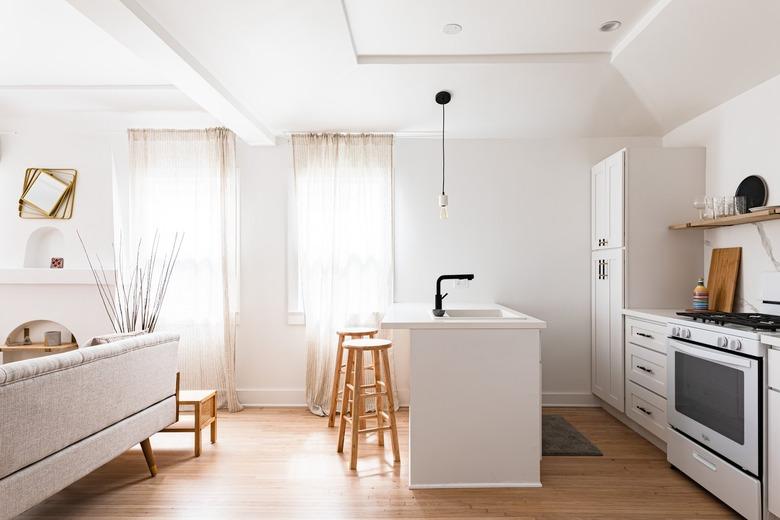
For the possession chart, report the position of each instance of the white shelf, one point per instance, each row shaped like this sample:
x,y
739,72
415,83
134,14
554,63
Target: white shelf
x,y
44,276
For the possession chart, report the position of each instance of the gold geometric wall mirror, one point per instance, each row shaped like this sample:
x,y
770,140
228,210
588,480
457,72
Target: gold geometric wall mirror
x,y
48,193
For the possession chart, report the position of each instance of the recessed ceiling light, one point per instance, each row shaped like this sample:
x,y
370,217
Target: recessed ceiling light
x,y
452,28
612,25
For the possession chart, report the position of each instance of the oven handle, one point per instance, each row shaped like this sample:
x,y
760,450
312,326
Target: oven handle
x,y
723,359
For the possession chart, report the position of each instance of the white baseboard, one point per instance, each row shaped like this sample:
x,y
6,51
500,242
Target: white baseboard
x,y
296,397
478,485
569,399
272,397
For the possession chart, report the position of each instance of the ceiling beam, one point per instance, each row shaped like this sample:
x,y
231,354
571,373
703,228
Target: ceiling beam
x,y
132,26
640,26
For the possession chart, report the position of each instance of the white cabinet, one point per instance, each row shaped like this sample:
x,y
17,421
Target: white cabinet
x,y
607,379
607,202
773,435
637,262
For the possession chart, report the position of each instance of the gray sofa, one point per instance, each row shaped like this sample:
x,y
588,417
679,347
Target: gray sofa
x,y
65,415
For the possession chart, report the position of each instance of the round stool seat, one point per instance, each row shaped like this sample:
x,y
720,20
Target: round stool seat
x,y
368,344
356,331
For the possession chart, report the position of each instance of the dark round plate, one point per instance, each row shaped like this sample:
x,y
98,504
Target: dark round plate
x,y
753,188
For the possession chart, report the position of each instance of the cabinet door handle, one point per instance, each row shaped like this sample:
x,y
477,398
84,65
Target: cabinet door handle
x,y
645,369
649,336
644,410
606,272
605,241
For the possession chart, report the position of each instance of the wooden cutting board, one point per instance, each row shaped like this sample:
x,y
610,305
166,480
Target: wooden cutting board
x,y
722,281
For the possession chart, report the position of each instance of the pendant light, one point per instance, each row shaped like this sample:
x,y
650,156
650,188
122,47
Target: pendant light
x,y
442,98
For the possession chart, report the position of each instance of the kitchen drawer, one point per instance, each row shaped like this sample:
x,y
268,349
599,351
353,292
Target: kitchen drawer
x,y
773,452
647,368
774,368
646,334
647,409
739,490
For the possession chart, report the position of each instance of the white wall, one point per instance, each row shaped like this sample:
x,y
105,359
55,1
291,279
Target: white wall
x,y
91,143
519,220
742,137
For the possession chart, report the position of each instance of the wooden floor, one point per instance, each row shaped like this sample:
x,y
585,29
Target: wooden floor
x,y
282,463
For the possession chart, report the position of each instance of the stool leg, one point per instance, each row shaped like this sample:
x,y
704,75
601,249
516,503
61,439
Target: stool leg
x,y
357,408
345,398
363,378
391,406
197,429
214,423
334,393
378,378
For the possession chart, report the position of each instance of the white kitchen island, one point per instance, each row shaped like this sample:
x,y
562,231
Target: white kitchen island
x,y
475,396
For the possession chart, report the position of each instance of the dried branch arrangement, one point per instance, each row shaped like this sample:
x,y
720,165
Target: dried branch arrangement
x,y
134,299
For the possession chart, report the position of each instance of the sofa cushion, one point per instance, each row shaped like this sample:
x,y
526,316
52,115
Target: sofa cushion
x,y
48,403
110,338
25,488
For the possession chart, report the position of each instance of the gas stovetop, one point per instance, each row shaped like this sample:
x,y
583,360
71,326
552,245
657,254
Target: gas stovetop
x,y
755,321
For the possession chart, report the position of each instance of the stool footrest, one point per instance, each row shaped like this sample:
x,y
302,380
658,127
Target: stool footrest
x,y
376,429
367,367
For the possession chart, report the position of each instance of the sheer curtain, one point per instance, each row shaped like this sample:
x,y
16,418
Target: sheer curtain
x,y
343,190
185,181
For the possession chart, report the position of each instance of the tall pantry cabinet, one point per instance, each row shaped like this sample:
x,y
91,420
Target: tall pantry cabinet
x,y
636,261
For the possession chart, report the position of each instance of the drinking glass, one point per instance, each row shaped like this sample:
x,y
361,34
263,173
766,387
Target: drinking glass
x,y
720,207
700,205
740,205
709,207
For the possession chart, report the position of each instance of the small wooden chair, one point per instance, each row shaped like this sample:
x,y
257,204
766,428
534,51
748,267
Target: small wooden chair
x,y
354,396
204,403
344,333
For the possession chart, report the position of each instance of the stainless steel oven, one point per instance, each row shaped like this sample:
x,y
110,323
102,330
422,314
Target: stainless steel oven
x,y
714,398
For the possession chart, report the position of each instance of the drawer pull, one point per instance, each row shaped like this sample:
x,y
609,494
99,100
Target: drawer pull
x,y
709,465
645,369
649,336
644,410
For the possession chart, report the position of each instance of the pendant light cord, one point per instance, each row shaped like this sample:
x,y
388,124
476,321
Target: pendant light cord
x,y
442,149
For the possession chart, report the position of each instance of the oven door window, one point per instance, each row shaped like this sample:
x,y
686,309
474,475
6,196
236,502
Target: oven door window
x,y
711,394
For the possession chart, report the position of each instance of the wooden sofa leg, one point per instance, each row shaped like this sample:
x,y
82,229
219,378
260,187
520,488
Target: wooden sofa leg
x,y
146,446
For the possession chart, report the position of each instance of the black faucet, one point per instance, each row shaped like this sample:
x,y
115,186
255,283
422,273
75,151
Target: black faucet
x,y
437,310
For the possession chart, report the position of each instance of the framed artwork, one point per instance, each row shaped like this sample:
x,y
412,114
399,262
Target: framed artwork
x,y
48,193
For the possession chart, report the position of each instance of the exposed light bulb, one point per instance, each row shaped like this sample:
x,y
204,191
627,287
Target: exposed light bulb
x,y
443,200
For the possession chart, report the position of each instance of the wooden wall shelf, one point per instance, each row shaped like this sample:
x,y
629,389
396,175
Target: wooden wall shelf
x,y
734,220
39,347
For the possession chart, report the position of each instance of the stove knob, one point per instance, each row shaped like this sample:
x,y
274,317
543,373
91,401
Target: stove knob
x,y
685,333
735,344
723,342
675,331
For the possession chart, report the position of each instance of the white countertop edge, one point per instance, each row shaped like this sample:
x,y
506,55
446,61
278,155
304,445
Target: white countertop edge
x,y
770,339
659,315
415,315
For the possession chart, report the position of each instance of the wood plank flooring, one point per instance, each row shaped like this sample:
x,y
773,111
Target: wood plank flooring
x,y
282,463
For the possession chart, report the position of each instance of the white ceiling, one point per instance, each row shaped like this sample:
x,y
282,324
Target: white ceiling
x,y
699,53
410,27
520,68
47,43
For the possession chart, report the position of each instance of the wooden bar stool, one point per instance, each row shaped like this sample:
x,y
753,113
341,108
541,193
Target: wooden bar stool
x,y
354,395
345,333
